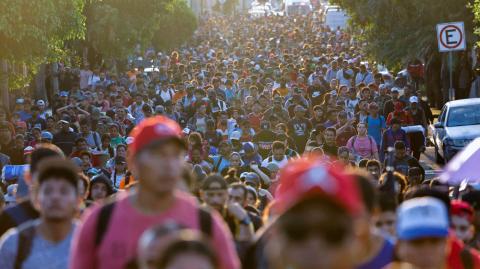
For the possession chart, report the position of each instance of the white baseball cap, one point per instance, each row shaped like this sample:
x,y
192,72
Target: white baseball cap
x,y
40,103
421,218
413,99
236,135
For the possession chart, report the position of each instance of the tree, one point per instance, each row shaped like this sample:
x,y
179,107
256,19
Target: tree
x,y
176,25
32,32
399,31
116,27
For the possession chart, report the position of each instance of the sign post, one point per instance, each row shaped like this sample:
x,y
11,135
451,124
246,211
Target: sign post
x,y
451,37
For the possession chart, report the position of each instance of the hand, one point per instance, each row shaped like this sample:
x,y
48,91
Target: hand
x,y
237,211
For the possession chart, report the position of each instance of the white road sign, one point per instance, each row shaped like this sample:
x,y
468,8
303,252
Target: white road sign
x,y
451,36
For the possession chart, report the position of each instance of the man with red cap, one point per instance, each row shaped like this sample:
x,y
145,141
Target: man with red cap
x,y
462,216
317,205
109,234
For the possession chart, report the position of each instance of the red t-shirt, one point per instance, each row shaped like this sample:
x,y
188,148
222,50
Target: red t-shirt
x,y
454,259
126,225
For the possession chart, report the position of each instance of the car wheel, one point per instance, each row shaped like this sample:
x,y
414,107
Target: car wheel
x,y
438,158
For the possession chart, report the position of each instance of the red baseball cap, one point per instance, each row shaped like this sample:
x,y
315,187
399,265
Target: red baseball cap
x,y
462,209
152,130
311,176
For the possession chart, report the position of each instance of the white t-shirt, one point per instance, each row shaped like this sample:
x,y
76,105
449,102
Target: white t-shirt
x,y
270,159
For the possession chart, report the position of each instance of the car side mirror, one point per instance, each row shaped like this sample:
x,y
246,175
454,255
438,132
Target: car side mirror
x,y
438,125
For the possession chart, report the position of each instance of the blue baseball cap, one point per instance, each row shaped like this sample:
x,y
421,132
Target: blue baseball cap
x,y
422,218
46,135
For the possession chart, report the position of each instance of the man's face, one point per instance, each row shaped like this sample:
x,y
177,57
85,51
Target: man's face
x,y
318,113
158,168
463,229
344,156
385,222
374,171
333,84
120,114
57,200
215,198
395,127
5,136
99,191
82,145
85,128
278,154
196,156
329,137
119,102
237,195
400,153
395,95
424,252
225,149
305,234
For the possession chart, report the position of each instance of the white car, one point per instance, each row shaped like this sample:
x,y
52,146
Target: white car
x,y
458,124
335,17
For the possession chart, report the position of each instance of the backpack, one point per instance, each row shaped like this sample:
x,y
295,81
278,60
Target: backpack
x,y
25,240
204,216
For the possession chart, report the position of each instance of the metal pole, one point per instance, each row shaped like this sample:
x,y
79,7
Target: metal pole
x,y
451,91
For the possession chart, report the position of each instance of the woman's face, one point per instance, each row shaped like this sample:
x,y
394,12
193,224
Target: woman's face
x,y
121,151
279,130
361,129
196,156
251,199
235,161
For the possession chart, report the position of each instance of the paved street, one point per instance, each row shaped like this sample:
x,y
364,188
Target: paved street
x,y
427,160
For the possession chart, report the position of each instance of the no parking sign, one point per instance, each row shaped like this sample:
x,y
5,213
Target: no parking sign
x,y
451,36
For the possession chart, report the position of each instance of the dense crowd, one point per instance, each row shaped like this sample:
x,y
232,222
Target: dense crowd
x,y
263,143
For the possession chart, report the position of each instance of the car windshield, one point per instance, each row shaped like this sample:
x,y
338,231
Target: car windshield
x,y
298,9
464,115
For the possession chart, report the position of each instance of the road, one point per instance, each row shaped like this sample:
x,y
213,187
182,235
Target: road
x,y
427,160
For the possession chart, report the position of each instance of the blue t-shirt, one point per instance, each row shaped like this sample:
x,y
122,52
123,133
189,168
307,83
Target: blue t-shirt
x,y
375,126
383,258
224,163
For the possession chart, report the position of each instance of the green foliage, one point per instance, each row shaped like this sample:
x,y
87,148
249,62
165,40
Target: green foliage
x,y
31,29
115,27
32,32
228,8
176,25
398,30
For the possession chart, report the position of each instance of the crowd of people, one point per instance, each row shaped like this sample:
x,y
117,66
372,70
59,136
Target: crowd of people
x,y
262,143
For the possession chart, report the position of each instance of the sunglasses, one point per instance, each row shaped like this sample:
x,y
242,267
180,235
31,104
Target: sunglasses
x,y
299,231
